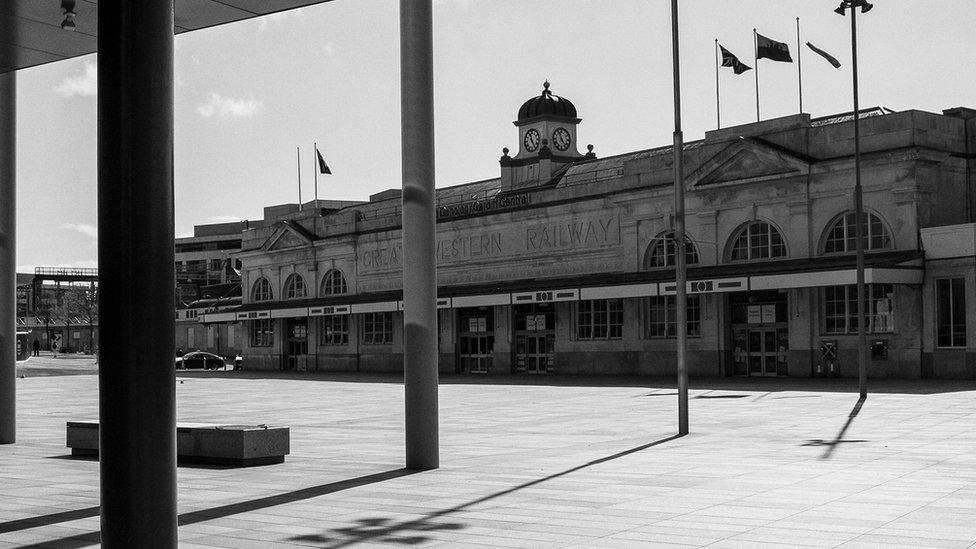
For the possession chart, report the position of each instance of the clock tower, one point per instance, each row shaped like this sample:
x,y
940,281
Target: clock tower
x,y
547,139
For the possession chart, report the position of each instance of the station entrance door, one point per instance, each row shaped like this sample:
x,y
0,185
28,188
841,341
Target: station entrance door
x,y
535,338
296,343
476,340
760,333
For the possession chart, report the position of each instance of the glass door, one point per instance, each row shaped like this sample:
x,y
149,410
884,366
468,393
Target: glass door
x,y
296,342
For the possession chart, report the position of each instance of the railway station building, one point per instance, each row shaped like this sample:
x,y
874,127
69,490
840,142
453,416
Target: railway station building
x,y
564,263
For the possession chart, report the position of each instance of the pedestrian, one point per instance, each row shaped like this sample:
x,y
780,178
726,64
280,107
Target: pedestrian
x,y
36,346
179,352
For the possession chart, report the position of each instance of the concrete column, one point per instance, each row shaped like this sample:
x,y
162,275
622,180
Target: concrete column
x,y
8,260
419,267
137,297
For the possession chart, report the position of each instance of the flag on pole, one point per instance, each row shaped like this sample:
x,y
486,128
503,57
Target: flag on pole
x,y
830,58
771,49
730,60
323,167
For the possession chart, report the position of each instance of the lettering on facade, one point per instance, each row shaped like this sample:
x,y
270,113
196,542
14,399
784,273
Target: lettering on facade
x,y
462,248
455,247
575,233
482,206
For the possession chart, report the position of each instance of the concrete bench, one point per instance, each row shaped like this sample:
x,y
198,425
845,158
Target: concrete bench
x,y
240,445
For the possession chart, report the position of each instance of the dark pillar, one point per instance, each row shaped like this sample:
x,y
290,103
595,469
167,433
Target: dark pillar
x,y
419,272
8,260
137,295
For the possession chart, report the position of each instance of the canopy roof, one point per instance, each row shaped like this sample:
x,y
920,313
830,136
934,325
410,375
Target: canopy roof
x,y
31,33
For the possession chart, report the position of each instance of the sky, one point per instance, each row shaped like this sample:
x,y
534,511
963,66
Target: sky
x,y
249,94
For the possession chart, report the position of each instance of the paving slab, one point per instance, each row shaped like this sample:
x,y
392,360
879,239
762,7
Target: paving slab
x,y
555,462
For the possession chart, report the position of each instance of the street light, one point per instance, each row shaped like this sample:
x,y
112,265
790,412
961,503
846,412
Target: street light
x,y
862,342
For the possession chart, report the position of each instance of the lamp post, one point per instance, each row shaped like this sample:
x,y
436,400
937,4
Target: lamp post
x,y
680,298
862,342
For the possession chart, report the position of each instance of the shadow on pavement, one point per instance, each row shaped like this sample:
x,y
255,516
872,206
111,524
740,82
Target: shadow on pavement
x,y
410,532
93,538
839,439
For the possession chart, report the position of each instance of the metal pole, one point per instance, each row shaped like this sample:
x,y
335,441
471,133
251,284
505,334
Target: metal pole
x,y
315,170
862,338
799,65
298,151
755,63
718,104
8,257
137,295
419,268
680,297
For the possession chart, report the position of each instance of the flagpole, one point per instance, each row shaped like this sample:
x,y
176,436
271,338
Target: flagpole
x,y
799,64
299,150
718,104
315,168
755,56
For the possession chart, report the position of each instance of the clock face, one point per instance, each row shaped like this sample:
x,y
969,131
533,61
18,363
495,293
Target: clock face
x,y
561,139
531,140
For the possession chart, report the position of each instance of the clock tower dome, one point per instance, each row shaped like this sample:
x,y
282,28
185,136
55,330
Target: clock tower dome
x,y
547,138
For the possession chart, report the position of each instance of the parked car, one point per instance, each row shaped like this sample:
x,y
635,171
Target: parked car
x,y
200,360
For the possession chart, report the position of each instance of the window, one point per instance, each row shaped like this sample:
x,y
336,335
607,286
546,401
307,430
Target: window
x,y
758,240
840,309
661,252
660,314
377,328
262,290
262,332
600,319
295,287
841,237
334,330
950,302
333,283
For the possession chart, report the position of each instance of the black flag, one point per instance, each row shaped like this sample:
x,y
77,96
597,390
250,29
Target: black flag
x,y
730,60
830,58
323,167
771,49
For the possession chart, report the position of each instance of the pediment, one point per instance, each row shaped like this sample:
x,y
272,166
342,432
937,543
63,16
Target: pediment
x,y
288,235
748,160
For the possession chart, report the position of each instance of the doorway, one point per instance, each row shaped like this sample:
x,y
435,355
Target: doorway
x,y
760,333
296,343
535,338
476,340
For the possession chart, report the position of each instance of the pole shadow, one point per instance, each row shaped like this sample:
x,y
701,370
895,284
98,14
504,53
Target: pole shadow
x,y
410,532
92,538
839,439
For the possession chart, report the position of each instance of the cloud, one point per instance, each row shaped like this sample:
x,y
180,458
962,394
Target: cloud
x,y
83,228
219,105
84,84
278,18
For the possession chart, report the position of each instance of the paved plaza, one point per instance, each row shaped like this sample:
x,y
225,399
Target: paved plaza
x,y
561,462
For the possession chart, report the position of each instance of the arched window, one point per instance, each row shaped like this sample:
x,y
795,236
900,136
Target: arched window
x,y
333,283
661,252
262,290
841,234
295,287
757,240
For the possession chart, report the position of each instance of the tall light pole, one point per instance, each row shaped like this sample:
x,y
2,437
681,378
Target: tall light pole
x,y
862,340
680,297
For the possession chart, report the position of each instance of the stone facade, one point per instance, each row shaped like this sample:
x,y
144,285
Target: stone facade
x,y
568,273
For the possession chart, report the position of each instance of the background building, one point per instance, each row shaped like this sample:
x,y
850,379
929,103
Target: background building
x,y
564,264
